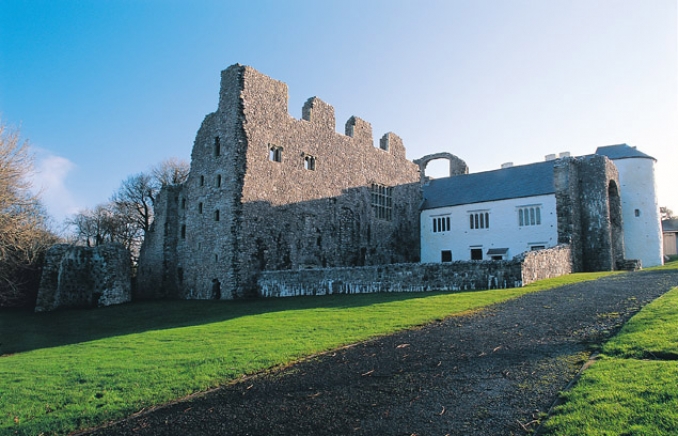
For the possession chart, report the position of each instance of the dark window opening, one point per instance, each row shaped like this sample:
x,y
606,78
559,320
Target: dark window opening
x,y
216,215
637,212
479,220
183,231
218,180
476,254
441,224
217,146
537,247
199,207
202,180
183,203
446,256
309,163
275,153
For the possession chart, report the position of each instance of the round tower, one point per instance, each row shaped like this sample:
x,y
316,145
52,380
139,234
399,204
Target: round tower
x,y
640,207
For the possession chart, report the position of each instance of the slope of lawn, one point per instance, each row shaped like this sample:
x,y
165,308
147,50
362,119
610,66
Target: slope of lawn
x,y
73,369
622,394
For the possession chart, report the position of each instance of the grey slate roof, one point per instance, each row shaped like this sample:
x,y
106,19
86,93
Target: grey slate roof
x,y
669,226
621,151
515,182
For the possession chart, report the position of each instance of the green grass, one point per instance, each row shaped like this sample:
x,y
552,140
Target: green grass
x,y
73,369
621,394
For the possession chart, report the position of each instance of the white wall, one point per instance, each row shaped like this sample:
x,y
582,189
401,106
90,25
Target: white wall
x,y
642,233
504,230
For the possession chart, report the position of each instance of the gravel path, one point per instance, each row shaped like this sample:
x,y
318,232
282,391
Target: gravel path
x,y
495,372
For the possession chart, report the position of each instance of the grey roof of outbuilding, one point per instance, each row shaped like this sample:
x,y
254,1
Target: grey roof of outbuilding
x,y
621,151
514,182
669,226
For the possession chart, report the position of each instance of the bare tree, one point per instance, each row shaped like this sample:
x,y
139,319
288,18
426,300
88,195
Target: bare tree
x,y
24,234
171,171
136,197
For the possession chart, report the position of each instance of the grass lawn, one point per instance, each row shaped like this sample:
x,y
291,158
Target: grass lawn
x,y
633,388
74,369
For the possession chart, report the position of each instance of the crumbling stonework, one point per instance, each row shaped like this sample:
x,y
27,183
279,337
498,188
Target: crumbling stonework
x,y
267,191
75,276
589,212
545,264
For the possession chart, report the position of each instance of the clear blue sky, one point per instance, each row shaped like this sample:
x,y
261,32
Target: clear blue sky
x,y
106,89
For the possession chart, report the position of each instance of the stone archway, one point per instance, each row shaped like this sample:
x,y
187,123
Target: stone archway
x,y
457,166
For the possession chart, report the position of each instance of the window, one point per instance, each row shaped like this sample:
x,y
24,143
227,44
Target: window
x,y
275,153
476,254
446,256
637,212
479,220
183,203
529,216
216,215
441,224
199,207
202,180
217,146
183,231
382,201
537,247
218,180
309,163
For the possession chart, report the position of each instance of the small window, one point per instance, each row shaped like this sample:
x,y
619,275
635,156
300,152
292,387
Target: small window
x,y
275,153
476,254
382,201
217,146
637,212
200,208
529,216
216,215
446,256
218,180
183,231
537,247
202,180
183,203
441,224
309,163
480,220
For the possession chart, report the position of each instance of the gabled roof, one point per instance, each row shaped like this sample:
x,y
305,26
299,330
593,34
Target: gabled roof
x,y
670,226
621,151
514,182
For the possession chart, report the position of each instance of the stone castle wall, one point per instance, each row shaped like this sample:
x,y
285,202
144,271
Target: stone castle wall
x,y
325,200
418,277
75,276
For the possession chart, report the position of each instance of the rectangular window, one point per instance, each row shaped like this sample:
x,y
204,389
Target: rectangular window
x,y
446,256
275,153
479,220
199,207
441,224
309,163
217,146
476,254
529,216
382,201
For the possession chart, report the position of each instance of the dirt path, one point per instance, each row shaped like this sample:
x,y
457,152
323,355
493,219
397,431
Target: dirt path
x,y
491,373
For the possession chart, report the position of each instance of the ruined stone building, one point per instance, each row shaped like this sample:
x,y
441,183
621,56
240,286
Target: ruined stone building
x,y
270,193
267,191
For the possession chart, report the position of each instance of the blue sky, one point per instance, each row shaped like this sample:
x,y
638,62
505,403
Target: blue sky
x,y
106,89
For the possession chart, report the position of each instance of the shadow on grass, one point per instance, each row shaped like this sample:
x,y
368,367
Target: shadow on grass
x,y
22,331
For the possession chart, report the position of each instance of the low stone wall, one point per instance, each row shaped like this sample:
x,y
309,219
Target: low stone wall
x,y
84,277
545,264
410,277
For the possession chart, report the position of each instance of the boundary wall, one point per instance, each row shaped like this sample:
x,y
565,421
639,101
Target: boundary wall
x,y
418,277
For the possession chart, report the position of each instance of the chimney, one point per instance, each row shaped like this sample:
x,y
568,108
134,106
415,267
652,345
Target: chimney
x,y
506,165
550,157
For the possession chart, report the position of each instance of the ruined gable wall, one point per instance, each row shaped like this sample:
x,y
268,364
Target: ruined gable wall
x,y
294,217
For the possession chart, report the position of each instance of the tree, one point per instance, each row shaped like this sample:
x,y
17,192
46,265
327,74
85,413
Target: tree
x,y
171,172
666,213
24,233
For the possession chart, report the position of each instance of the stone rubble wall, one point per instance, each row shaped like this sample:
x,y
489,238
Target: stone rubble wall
x,y
546,264
410,277
76,276
419,277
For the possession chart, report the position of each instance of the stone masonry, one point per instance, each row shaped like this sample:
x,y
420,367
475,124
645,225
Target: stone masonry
x,y
267,191
75,276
